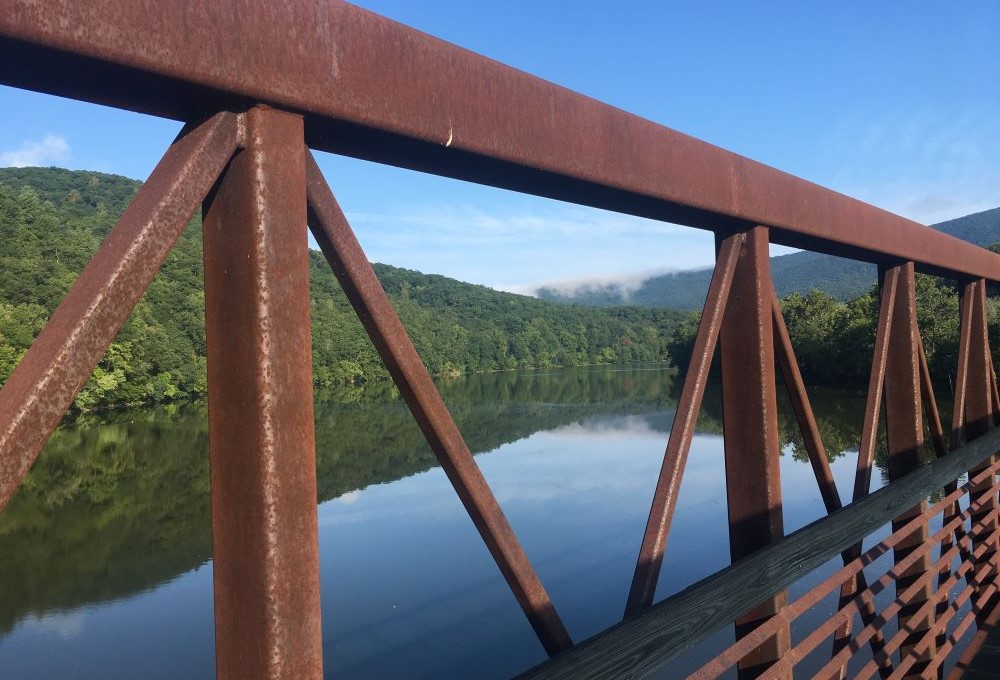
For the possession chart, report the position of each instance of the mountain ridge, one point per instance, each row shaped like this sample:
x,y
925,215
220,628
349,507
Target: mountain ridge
x,y
799,272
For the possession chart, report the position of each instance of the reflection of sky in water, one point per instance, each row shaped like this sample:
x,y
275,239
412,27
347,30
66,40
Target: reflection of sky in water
x,y
408,588
577,496
164,633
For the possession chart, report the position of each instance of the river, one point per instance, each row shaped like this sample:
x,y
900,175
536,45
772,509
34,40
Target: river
x,y
105,553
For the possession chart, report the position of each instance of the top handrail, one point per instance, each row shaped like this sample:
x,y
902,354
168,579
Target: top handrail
x,y
372,88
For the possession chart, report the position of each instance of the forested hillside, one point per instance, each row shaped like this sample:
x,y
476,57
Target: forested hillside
x,y
52,221
794,273
834,340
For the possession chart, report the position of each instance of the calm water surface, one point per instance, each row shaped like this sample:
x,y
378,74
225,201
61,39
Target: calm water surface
x,y
105,554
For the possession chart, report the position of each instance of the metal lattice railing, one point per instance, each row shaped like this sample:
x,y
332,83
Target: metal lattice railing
x,y
326,75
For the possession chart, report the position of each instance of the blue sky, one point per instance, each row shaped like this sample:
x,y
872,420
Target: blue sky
x,y
895,103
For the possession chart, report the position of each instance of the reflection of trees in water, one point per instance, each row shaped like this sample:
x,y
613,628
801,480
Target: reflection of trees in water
x,y
839,416
369,443
114,507
106,511
118,506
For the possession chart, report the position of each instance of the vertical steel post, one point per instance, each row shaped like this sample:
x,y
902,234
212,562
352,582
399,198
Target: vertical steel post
x,y
263,467
905,438
750,426
979,420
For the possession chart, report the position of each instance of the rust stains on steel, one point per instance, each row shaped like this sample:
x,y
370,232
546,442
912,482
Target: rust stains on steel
x,y
873,406
750,415
905,440
262,445
866,459
62,357
661,512
979,419
804,416
437,108
365,292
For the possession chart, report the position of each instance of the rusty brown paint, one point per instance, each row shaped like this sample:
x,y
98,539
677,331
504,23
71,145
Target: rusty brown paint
x,y
803,409
979,416
260,406
905,441
661,513
930,403
750,432
437,108
824,476
441,109
962,369
876,382
355,274
994,390
978,393
62,357
866,451
940,443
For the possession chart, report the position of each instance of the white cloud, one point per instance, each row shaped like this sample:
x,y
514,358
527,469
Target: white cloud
x,y
513,248
49,150
65,625
349,497
626,283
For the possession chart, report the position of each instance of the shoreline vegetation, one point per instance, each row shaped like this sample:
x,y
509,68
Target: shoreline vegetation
x,y
52,221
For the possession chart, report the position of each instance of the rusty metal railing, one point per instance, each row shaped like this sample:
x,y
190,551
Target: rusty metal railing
x,y
258,85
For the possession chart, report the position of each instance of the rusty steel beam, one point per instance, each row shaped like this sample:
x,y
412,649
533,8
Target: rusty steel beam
x,y
661,512
966,299
820,464
750,431
804,416
888,280
994,390
930,403
954,538
355,274
876,383
905,439
979,416
375,89
260,407
978,393
62,357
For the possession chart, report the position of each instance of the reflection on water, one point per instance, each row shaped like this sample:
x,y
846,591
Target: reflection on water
x,y
105,553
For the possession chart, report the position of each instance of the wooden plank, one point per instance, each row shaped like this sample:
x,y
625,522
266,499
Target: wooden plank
x,y
640,645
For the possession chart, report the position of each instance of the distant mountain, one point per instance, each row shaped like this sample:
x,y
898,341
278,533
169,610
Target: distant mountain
x,y
795,273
